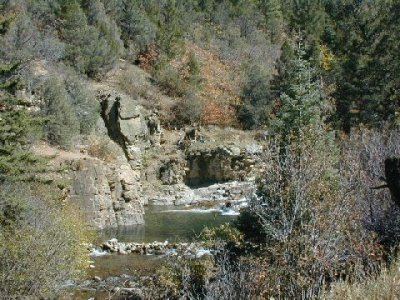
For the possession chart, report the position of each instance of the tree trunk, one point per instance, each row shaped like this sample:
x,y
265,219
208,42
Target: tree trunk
x,y
392,174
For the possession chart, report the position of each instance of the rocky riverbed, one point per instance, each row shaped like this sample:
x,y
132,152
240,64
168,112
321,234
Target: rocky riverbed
x,y
114,287
127,270
113,246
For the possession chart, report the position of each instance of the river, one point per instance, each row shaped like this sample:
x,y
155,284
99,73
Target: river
x,y
164,223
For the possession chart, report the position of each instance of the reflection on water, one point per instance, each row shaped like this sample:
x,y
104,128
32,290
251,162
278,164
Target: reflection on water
x,y
116,265
167,223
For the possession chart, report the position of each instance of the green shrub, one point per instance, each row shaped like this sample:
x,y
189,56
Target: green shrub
x,y
42,242
171,81
21,40
71,107
185,277
137,30
194,71
64,123
256,98
224,234
186,111
84,103
91,49
18,128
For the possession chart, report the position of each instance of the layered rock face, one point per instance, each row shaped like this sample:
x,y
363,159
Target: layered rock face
x,y
181,194
108,195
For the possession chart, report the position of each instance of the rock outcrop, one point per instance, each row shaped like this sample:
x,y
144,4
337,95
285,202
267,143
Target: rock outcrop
x,y
130,125
216,165
178,168
205,174
108,195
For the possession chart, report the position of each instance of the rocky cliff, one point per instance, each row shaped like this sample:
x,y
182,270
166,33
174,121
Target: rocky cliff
x,y
109,195
132,159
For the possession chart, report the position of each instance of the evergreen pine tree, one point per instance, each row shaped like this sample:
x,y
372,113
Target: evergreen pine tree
x,y
301,104
309,16
18,127
170,33
137,29
91,49
273,18
256,98
63,124
382,72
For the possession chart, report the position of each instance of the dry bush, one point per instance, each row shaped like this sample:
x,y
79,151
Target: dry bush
x,y
209,278
217,113
130,84
364,153
138,84
147,58
318,217
185,111
220,90
102,148
241,279
183,277
309,216
319,230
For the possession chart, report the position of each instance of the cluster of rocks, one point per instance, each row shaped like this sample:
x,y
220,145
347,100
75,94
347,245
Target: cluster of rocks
x,y
218,164
129,125
207,165
181,194
157,248
218,174
154,248
110,194
172,170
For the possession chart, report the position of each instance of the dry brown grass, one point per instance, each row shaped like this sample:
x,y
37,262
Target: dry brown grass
x,y
385,287
101,148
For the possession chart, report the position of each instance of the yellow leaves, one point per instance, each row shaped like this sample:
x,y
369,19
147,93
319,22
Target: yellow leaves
x,y
326,57
168,279
225,233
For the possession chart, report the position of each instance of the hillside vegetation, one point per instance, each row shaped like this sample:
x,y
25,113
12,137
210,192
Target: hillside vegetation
x,y
319,80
